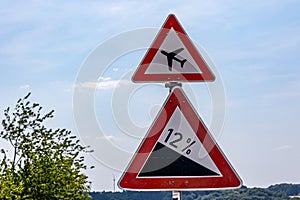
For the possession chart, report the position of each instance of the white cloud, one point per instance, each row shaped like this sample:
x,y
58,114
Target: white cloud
x,y
115,9
283,147
106,137
104,83
104,78
112,84
24,87
108,84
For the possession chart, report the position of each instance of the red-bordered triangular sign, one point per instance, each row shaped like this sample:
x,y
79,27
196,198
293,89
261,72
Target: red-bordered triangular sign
x,y
179,153
172,57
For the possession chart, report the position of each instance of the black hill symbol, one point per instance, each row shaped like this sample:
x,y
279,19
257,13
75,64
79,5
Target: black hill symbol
x,y
171,57
164,161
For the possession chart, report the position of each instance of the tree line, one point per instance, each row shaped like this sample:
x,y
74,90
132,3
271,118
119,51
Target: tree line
x,y
274,192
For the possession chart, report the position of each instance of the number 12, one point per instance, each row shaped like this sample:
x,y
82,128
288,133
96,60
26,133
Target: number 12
x,y
176,140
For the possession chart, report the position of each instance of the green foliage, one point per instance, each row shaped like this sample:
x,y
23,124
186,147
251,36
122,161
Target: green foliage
x,y
45,163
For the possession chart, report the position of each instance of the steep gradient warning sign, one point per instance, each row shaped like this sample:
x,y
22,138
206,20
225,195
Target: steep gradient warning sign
x,y
179,153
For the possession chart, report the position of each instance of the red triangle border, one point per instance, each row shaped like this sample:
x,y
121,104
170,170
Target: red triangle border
x,y
172,22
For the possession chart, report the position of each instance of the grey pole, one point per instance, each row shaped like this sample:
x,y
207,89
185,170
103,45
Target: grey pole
x,y
176,195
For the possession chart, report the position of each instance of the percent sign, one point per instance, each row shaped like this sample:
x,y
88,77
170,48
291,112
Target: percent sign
x,y
177,138
188,151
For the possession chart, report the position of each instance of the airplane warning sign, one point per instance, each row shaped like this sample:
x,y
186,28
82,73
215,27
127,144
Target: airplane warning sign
x,y
179,153
172,57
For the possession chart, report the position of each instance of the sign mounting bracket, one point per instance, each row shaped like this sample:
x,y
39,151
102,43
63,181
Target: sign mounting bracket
x,y
172,84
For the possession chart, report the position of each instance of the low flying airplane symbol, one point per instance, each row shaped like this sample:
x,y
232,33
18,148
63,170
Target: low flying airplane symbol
x,y
171,57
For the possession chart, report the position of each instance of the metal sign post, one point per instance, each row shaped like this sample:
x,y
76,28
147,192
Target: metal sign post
x,y
176,195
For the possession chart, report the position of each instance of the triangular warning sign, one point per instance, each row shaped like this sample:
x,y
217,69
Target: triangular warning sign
x,y
172,57
179,153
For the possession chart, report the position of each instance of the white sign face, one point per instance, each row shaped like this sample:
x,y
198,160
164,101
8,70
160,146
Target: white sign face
x,y
173,58
179,136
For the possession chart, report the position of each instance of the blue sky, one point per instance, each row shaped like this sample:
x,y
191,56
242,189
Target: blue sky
x,y
254,45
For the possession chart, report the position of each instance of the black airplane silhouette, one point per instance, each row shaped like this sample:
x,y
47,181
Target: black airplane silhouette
x,y
171,57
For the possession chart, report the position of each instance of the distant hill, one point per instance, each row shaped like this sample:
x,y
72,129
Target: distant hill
x,y
289,189
274,192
